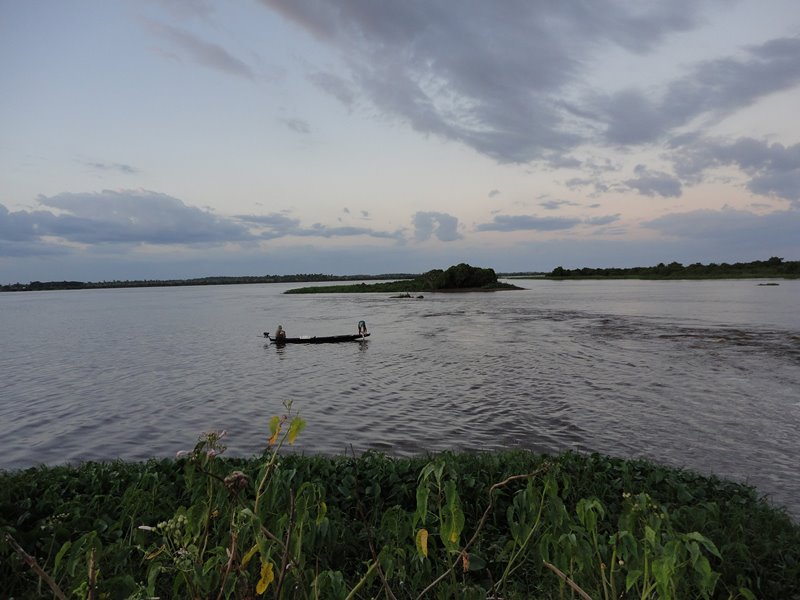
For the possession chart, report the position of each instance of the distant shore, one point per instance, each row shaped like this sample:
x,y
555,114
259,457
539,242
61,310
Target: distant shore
x,y
773,268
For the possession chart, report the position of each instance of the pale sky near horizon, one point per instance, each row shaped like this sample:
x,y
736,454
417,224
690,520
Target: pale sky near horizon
x,y
158,139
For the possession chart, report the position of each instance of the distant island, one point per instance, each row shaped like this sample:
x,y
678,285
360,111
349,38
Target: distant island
x,y
774,267
458,278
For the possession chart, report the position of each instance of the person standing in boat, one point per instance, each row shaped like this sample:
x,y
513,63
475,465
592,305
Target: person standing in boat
x,y
362,328
280,334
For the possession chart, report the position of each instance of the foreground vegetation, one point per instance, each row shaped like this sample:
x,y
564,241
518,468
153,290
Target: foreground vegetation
x,y
774,267
461,277
507,525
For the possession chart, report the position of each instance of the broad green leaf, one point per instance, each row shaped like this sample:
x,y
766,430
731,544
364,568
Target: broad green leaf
x,y
476,563
707,543
650,535
632,578
452,517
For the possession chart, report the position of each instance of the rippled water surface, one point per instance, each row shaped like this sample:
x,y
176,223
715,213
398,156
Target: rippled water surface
x,y
703,375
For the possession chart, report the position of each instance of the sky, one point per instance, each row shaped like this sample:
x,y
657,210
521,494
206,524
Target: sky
x,y
160,139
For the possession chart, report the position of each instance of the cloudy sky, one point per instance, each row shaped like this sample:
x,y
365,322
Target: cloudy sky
x,y
187,138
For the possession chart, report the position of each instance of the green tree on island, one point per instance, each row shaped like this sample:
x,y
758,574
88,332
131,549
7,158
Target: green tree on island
x,y
460,277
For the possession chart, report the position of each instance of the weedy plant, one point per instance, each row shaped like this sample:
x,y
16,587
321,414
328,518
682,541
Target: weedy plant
x,y
397,530
233,542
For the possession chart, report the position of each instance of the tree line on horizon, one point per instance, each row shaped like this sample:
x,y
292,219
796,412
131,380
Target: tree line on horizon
x,y
218,280
773,267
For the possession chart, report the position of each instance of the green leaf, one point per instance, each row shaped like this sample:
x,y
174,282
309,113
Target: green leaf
x,y
707,543
61,554
632,578
452,517
297,425
476,563
747,594
650,535
422,503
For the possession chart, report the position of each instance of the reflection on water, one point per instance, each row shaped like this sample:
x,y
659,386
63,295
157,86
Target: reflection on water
x,y
703,375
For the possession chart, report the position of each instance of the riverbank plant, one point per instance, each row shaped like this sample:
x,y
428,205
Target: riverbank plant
x,y
468,525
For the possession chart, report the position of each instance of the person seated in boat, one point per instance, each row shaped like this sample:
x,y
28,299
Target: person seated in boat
x,y
362,328
280,334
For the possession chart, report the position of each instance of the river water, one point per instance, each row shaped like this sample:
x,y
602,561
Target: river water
x,y
702,375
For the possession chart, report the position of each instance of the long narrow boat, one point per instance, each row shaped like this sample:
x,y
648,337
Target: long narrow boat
x,y
322,339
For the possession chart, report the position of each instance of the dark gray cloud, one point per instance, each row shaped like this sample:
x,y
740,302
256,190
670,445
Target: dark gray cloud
x,y
200,51
556,204
22,226
605,220
441,225
119,217
527,223
493,77
298,125
773,169
319,230
743,230
654,183
280,225
341,89
135,217
120,168
715,88
555,161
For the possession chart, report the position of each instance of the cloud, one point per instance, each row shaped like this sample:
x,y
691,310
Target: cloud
x,y
119,217
606,220
121,168
493,78
441,225
21,226
201,52
186,8
298,125
280,225
338,87
652,183
527,223
773,169
728,229
556,204
140,217
714,87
